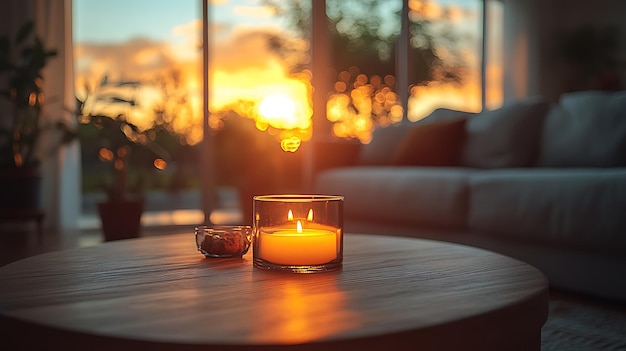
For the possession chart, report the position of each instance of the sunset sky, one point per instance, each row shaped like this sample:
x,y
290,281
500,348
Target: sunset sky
x,y
149,36
133,39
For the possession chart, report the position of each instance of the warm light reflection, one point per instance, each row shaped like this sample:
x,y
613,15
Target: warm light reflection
x,y
118,165
309,216
177,217
105,154
18,159
160,163
300,311
290,144
226,216
299,227
368,102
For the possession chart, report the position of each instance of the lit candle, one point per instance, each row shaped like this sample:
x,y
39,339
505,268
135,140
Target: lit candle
x,y
298,246
298,233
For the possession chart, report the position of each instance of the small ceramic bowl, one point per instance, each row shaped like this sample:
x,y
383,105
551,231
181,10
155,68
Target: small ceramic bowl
x,y
223,241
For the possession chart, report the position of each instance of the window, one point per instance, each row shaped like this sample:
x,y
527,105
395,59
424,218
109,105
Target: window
x,y
446,37
141,60
388,68
261,71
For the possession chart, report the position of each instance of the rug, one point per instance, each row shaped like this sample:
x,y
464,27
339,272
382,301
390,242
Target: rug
x,y
579,324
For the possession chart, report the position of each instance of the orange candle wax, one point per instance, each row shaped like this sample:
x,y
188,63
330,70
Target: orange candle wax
x,y
298,246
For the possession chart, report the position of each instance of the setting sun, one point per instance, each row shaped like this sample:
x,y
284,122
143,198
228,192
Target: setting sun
x,y
278,108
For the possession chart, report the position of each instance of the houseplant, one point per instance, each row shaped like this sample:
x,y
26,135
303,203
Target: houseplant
x,y
104,125
24,133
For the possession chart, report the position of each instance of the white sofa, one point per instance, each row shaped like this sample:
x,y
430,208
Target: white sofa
x,y
544,183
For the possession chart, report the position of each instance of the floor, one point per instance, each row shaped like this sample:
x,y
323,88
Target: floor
x,y
574,323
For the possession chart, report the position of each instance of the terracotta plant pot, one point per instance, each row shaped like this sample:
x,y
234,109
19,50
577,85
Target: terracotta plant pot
x,y
121,219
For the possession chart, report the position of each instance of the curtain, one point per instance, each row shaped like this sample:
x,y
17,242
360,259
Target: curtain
x,y
521,48
61,184
60,197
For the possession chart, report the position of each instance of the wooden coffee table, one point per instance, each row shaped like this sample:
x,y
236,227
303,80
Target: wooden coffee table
x,y
159,293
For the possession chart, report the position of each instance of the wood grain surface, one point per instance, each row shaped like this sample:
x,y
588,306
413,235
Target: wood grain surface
x,y
160,293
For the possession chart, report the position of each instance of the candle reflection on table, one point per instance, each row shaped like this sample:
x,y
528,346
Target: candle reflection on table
x,y
302,311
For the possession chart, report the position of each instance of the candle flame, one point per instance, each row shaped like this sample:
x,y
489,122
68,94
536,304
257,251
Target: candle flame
x,y
290,216
310,215
299,227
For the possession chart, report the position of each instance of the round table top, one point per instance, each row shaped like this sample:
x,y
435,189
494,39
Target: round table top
x,y
160,291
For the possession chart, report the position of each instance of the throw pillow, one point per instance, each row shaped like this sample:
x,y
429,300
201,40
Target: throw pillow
x,y
384,143
506,137
586,129
432,144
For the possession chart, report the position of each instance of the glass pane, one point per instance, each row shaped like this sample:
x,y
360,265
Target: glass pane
x,y
363,45
137,73
446,39
260,95
444,61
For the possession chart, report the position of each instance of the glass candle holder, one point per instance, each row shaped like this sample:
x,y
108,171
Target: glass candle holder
x,y
298,233
223,241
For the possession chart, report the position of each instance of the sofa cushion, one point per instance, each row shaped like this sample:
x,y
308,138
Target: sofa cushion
x,y
586,129
432,144
428,196
386,140
383,145
573,207
506,137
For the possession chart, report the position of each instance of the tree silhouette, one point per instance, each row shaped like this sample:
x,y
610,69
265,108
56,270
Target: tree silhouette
x,y
364,34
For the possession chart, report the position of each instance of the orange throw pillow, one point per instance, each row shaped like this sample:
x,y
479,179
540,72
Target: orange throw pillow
x,y
432,144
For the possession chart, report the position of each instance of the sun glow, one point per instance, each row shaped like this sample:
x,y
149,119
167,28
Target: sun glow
x,y
279,111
